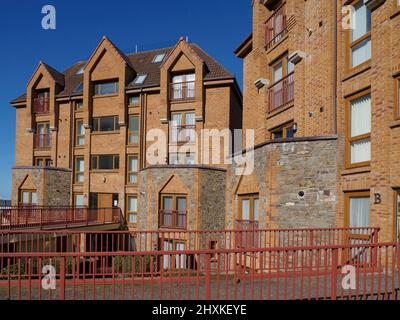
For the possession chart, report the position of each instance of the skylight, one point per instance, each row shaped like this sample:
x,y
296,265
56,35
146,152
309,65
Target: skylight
x,y
140,79
80,71
159,58
79,88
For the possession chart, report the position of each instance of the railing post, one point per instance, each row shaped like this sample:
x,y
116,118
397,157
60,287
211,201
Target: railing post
x,y
62,278
207,269
335,265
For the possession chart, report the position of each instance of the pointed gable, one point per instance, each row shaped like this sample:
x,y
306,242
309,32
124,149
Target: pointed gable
x,y
174,185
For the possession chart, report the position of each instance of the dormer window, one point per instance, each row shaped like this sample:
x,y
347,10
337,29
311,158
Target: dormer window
x,y
80,71
183,87
79,88
140,78
109,87
159,58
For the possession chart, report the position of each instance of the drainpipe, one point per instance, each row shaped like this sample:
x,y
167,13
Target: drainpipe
x,y
334,62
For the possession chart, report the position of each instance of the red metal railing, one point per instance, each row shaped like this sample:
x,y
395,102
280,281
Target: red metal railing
x,y
104,241
42,140
281,92
276,26
41,105
48,218
182,90
284,273
172,219
182,133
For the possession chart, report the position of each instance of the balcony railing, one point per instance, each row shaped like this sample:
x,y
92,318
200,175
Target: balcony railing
x,y
281,92
276,26
182,91
42,140
41,105
172,219
47,218
182,133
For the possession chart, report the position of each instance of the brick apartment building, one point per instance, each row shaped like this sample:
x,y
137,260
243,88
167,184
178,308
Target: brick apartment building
x,y
324,100
81,135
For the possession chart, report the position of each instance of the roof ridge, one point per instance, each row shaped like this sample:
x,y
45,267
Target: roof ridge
x,y
147,51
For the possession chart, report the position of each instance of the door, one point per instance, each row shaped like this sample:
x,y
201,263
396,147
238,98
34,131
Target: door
x,y
105,202
43,132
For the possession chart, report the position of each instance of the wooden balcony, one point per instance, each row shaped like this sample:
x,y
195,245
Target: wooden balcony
x,y
172,219
276,26
281,93
182,91
42,141
41,105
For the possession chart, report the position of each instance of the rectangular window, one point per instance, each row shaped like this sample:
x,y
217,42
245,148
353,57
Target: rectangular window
x,y
133,166
79,200
109,87
173,211
78,105
183,127
28,198
80,133
79,170
133,129
182,158
183,87
360,34
248,208
134,100
105,162
358,209
175,261
132,207
42,162
283,132
105,124
359,144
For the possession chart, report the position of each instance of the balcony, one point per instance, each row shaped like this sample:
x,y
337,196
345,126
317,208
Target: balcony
x,y
172,219
182,91
41,105
182,133
276,26
281,92
34,217
42,141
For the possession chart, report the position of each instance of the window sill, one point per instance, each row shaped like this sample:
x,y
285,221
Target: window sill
x,y
356,170
133,105
99,133
130,185
110,95
79,147
351,73
104,171
182,101
395,124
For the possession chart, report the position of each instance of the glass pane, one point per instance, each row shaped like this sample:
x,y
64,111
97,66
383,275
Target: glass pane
x,y
107,124
190,77
245,209
79,200
81,128
133,164
360,114
361,151
80,165
167,203
361,52
106,88
134,100
106,162
290,66
180,259
256,214
359,212
132,218
34,198
189,158
39,162
173,158
361,21
190,118
132,204
177,79
177,119
134,129
25,197
289,132
278,72
181,204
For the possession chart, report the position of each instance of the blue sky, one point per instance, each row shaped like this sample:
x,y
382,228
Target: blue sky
x,y
218,26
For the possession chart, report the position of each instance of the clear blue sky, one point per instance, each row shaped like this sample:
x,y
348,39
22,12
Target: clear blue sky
x,y
218,26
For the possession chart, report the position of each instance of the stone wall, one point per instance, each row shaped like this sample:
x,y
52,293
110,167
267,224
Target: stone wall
x,y
282,172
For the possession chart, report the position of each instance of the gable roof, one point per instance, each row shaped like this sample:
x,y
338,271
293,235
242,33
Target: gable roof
x,y
142,63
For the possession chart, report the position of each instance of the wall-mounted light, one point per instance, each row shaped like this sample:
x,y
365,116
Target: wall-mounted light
x,y
104,179
295,127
